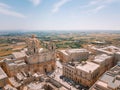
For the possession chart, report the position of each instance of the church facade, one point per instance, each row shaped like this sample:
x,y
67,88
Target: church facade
x,y
32,59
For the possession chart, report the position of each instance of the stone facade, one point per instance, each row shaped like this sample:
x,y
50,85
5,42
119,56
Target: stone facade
x,y
33,45
109,50
73,54
85,73
105,61
117,56
109,80
43,67
3,78
40,59
12,67
32,59
36,81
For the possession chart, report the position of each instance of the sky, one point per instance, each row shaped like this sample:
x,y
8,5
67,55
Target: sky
x,y
32,15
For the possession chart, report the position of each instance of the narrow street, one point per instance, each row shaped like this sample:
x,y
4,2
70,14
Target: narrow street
x,y
58,72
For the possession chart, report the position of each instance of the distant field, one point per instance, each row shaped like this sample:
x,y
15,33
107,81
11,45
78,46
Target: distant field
x,y
9,44
5,52
18,47
3,45
7,49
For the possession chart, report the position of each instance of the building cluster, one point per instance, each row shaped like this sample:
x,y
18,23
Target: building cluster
x,y
110,80
32,59
19,68
29,69
36,81
87,72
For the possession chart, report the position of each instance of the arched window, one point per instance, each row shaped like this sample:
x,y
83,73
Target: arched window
x,y
34,50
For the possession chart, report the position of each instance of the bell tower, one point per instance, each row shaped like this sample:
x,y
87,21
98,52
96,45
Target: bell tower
x,y
51,46
33,45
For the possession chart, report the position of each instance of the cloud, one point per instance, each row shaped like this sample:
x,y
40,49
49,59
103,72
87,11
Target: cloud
x,y
98,8
3,5
98,2
35,2
11,13
5,10
95,10
58,5
96,5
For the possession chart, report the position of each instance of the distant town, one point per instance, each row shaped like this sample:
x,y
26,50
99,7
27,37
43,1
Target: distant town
x,y
56,60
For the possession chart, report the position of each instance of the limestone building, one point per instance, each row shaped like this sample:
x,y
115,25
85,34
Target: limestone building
x,y
9,87
105,61
18,55
3,78
109,50
33,58
36,81
33,45
13,66
108,81
85,73
73,54
117,56
40,59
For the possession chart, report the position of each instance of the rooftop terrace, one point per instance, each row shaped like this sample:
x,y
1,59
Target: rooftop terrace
x,y
101,58
88,67
110,80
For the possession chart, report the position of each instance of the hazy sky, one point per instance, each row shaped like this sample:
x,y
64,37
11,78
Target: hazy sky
x,y
59,14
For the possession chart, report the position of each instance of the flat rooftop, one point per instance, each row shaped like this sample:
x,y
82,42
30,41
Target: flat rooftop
x,y
112,47
112,77
9,87
118,52
64,52
110,80
88,67
70,51
101,58
35,86
76,50
18,54
103,84
107,50
2,74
